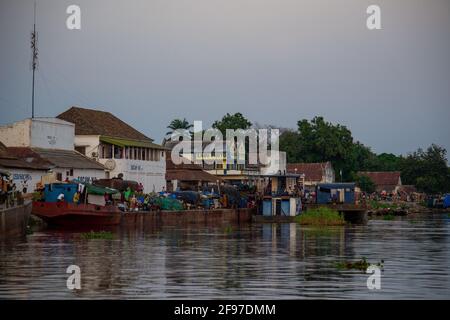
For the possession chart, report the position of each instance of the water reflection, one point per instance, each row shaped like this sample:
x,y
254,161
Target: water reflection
x,y
240,261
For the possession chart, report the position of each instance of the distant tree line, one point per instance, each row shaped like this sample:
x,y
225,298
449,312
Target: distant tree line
x,y
318,140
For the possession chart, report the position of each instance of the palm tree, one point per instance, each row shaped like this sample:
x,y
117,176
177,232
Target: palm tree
x,y
178,124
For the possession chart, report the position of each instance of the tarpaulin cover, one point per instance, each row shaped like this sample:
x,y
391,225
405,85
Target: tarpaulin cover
x,y
92,189
169,204
187,196
447,201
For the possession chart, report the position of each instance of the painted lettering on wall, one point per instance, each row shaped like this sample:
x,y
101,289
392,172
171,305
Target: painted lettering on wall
x,y
51,140
22,176
86,179
136,167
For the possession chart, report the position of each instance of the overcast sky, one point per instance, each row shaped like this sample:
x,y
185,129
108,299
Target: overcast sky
x,y
276,61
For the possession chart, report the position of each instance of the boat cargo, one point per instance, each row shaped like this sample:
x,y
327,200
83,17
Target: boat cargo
x,y
90,210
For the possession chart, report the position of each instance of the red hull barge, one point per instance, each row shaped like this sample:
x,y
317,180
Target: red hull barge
x,y
76,215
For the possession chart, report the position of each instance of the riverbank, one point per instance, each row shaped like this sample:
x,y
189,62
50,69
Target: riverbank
x,y
383,208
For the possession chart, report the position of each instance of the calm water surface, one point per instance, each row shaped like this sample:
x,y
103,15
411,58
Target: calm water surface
x,y
252,261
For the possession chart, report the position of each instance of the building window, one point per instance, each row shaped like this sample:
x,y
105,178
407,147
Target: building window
x,y
71,172
106,151
81,150
118,152
59,176
151,155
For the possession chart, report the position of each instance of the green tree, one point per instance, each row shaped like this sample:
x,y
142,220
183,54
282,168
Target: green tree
x,y
290,142
324,141
361,158
232,121
365,183
386,162
177,124
427,170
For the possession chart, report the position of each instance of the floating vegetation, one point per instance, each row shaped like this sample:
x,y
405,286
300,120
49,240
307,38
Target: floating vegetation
x,y
388,217
374,204
323,231
228,229
362,264
321,217
106,235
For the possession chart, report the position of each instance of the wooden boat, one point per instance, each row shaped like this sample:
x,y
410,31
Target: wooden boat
x,y
76,215
13,220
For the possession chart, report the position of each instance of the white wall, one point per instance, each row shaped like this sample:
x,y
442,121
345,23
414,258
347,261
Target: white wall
x,y
48,133
91,143
16,134
86,175
329,173
51,133
152,174
275,164
26,177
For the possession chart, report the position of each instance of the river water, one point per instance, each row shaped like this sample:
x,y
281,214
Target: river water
x,y
251,261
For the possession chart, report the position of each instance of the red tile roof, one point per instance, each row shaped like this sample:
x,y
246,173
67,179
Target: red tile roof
x,y
312,171
96,122
383,178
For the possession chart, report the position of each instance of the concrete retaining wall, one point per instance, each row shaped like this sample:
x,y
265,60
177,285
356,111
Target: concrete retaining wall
x,y
13,221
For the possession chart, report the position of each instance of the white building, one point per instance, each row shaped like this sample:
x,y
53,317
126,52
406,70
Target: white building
x,y
121,148
277,164
25,173
47,145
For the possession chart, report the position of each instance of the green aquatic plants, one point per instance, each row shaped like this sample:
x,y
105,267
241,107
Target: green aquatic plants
x,y
105,235
228,229
374,204
388,217
361,264
321,217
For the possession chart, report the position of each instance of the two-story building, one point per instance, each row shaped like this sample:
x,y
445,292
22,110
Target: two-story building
x,y
45,146
118,146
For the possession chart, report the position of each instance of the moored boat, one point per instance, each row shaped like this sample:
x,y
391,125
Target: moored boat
x,y
77,205
76,215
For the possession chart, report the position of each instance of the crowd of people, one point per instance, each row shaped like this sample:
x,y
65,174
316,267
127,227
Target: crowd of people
x,y
9,194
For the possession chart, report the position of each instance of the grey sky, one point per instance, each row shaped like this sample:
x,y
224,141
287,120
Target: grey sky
x,y
276,61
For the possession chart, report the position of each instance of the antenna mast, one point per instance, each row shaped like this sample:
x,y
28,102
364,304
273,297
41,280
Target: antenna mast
x,y
34,60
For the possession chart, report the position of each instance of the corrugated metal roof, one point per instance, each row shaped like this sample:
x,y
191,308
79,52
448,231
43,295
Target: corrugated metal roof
x,y
68,159
131,143
24,158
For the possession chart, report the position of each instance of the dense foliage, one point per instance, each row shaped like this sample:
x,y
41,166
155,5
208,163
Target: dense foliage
x,y
365,183
318,140
321,216
232,121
